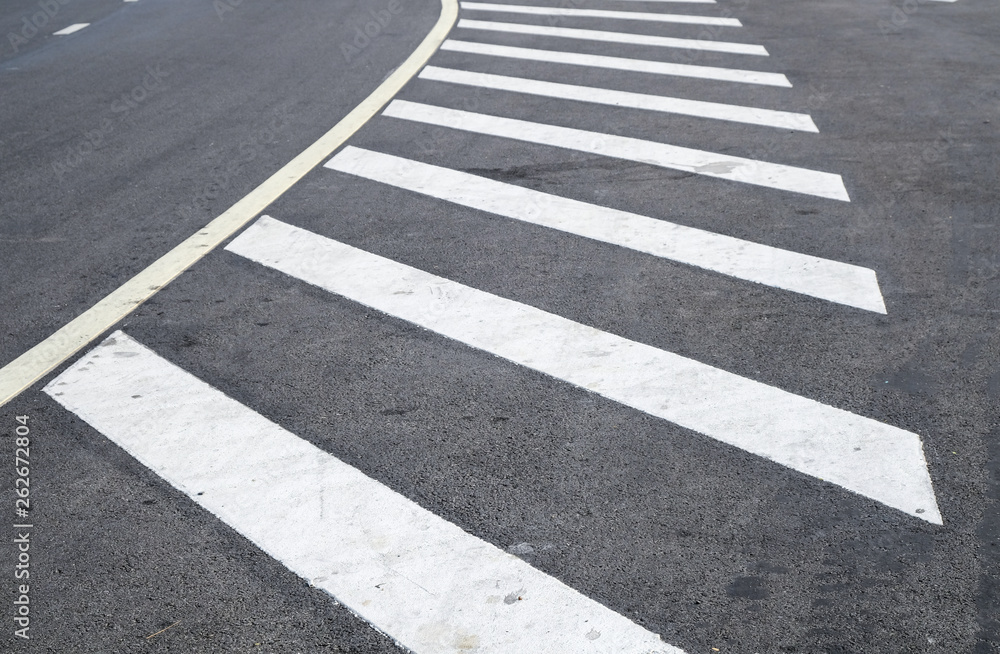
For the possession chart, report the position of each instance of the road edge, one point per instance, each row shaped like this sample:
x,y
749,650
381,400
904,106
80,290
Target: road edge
x,y
31,366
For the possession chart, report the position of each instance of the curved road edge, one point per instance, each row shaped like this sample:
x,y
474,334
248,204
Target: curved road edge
x,y
30,367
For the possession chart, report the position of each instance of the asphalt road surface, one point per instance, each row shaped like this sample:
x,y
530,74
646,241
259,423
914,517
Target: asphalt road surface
x,y
623,322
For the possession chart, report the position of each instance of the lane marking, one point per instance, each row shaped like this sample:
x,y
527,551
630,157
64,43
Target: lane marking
x,y
613,37
34,364
821,278
710,164
76,27
697,108
600,13
619,63
862,455
414,576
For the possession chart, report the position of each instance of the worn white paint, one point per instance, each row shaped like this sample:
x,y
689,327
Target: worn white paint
x,y
871,458
423,581
665,104
619,63
710,164
821,278
613,37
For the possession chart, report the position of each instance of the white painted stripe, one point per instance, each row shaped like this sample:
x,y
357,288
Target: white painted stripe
x,y
600,13
76,27
613,37
868,457
738,169
821,278
698,108
620,63
421,580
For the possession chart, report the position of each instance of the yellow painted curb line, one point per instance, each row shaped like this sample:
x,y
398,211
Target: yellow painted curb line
x,y
34,364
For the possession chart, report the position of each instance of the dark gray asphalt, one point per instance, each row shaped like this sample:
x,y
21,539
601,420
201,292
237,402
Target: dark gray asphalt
x,y
27,25
704,544
123,139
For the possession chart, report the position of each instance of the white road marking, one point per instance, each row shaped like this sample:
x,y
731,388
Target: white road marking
x,y
76,27
698,108
613,37
821,278
620,63
600,13
419,579
710,164
69,339
868,457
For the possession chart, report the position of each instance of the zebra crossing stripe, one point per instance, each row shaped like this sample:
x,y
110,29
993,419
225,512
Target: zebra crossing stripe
x,y
619,63
862,455
613,37
665,104
600,13
821,278
414,576
710,164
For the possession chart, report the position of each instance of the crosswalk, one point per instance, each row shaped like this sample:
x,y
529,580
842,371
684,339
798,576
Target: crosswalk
x,y
607,37
699,162
599,13
716,110
619,63
868,457
821,278
418,578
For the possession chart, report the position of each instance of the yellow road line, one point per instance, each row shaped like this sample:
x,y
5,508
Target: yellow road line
x,y
34,364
